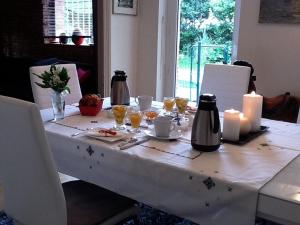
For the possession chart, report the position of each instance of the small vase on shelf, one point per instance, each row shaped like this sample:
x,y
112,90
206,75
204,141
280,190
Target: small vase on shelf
x,y
77,37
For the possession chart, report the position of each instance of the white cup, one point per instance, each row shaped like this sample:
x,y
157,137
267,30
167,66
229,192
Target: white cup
x,y
144,102
163,126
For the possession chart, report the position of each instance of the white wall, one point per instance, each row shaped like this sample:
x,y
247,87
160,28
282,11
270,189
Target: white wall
x,y
273,49
138,47
148,41
124,47
157,53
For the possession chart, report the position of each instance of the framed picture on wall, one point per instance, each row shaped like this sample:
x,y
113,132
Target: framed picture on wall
x,y
128,7
279,11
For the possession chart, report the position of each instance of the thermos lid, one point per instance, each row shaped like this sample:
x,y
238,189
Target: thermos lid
x,y
208,97
207,101
120,72
119,76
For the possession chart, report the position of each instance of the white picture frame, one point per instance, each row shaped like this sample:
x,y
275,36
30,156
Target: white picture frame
x,y
128,7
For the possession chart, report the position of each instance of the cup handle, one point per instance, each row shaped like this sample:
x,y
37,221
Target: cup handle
x,y
173,126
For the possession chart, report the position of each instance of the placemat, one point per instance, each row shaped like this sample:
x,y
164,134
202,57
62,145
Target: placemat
x,y
173,147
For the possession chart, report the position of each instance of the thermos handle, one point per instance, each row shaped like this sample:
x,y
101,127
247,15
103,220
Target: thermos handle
x,y
216,120
112,81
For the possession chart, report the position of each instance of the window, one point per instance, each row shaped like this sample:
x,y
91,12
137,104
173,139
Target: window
x,y
206,33
64,16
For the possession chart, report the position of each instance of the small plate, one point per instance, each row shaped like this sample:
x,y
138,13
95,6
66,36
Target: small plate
x,y
100,136
173,135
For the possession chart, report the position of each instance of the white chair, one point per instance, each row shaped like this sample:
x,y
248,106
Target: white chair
x,y
228,82
33,194
42,96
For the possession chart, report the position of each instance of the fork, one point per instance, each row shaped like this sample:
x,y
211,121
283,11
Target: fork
x,y
127,141
81,132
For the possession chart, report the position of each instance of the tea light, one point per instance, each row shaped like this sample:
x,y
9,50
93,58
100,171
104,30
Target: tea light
x,y
252,109
245,125
231,125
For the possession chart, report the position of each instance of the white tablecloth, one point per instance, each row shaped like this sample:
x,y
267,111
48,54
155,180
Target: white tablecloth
x,y
214,188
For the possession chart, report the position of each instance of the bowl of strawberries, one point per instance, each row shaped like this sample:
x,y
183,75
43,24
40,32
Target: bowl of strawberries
x,y
90,105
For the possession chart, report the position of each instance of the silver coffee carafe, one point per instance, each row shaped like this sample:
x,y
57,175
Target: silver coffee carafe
x,y
119,94
206,132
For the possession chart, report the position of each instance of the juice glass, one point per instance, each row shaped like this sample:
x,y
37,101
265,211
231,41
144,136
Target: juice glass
x,y
150,116
169,103
135,118
181,104
119,112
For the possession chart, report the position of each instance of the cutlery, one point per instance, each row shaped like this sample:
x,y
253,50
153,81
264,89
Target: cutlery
x,y
133,142
78,133
141,126
81,132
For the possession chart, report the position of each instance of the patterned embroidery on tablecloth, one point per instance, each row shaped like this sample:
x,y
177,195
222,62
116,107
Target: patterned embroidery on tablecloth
x,y
207,204
209,183
90,150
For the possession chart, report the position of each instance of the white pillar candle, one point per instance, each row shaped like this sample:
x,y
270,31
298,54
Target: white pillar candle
x,y
245,125
231,125
252,109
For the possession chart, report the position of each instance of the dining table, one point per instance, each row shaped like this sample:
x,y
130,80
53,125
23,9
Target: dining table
x,y
231,186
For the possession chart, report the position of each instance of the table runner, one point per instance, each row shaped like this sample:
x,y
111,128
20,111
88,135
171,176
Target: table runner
x,y
178,148
87,122
215,188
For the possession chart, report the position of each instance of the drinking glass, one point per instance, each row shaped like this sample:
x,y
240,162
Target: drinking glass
x,y
181,104
119,112
135,118
169,103
144,102
150,116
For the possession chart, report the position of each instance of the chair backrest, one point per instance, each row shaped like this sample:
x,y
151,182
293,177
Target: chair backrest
x,y
33,194
284,107
42,96
228,82
298,119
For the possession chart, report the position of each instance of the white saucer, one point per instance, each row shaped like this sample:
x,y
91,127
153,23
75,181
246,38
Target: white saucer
x,y
173,135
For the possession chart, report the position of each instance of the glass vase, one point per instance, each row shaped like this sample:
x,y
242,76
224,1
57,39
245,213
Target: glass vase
x,y
58,105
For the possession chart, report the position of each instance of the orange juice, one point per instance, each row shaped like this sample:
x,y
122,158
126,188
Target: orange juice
x,y
151,115
135,119
169,104
181,104
119,112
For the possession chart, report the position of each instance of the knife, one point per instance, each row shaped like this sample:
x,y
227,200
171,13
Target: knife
x,y
130,144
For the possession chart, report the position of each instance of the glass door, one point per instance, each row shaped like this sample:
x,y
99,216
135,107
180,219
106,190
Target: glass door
x,y
205,36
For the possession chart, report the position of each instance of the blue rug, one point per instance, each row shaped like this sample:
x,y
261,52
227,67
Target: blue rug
x,y
148,216
151,216
5,220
